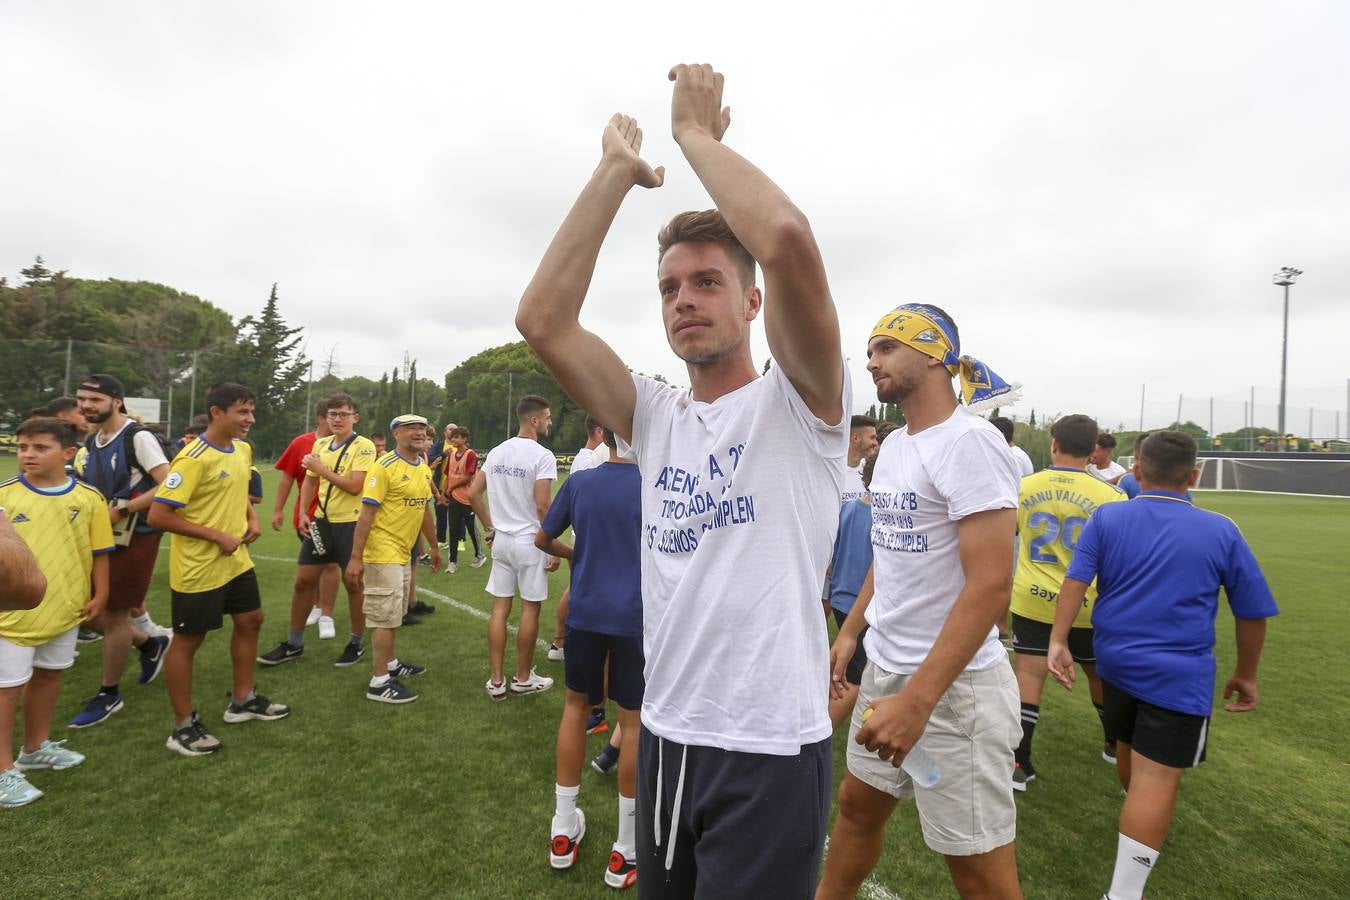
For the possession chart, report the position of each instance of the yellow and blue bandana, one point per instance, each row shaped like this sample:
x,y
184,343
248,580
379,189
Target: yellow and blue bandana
x,y
928,331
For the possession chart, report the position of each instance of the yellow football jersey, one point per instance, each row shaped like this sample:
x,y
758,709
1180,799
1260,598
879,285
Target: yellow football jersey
x,y
401,490
1052,507
65,528
209,486
356,454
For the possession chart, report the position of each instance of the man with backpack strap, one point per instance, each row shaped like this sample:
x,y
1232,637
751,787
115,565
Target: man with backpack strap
x,y
126,462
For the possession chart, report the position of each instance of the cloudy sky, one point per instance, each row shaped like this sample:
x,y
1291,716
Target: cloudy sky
x,y
1098,194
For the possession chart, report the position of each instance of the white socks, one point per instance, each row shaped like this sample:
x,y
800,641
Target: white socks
x,y
379,680
143,622
627,842
1134,863
565,813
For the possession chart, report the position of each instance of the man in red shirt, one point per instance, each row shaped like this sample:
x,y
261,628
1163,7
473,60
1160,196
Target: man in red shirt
x,y
292,473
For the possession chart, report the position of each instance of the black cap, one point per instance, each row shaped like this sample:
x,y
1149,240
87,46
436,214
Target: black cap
x,y
104,384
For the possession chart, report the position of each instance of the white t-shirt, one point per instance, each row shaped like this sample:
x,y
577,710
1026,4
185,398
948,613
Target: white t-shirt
x,y
854,489
923,484
582,461
740,504
148,452
1021,462
512,468
1113,470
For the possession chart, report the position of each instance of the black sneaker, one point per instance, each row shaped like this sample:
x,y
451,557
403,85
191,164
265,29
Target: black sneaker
x,y
153,653
281,653
606,760
406,670
350,654
193,740
410,619
256,707
1109,752
421,608
88,636
391,692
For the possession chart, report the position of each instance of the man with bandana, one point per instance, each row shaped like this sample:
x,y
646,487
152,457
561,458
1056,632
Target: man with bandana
x,y
944,500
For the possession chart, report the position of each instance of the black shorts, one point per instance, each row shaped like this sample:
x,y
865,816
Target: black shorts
x,y
198,613
1163,735
1032,638
853,675
337,544
584,666
749,824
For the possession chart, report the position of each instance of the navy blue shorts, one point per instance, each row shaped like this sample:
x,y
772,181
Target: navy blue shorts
x,y
584,667
203,611
749,824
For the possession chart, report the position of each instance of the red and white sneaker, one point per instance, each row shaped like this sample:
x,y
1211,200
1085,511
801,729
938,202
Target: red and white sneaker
x,y
621,872
563,849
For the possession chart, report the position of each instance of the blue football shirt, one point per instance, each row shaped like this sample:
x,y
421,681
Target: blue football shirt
x,y
1159,563
605,506
1129,484
852,554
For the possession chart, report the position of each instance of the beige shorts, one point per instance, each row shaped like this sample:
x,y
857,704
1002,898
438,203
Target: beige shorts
x,y
972,734
385,595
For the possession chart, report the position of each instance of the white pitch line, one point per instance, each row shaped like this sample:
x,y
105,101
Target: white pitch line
x,y
870,888
442,598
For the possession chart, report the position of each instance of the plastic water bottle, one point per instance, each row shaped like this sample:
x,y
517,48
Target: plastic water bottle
x,y
918,764
921,766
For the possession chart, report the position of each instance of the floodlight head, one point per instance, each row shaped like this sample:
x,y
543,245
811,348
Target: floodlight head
x,y
1287,276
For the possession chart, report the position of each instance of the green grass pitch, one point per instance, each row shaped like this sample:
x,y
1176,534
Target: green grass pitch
x,y
451,795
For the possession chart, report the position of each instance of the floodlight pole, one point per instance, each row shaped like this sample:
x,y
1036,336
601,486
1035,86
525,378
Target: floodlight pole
x,y
1284,278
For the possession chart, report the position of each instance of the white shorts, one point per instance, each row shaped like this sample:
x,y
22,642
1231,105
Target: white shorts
x,y
517,566
972,735
17,662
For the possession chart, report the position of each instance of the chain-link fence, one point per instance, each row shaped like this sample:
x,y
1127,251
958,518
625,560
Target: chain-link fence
x,y
166,387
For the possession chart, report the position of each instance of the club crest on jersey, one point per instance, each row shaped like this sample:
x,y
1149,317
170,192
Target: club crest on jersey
x,y
74,513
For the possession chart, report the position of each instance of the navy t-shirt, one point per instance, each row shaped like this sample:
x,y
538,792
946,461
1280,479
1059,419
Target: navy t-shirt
x,y
605,506
1159,563
852,554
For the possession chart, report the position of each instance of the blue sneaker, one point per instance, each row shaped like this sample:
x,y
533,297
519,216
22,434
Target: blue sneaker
x,y
15,789
153,653
97,709
50,755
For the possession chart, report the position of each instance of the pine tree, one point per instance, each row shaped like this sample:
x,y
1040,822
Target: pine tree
x,y
270,360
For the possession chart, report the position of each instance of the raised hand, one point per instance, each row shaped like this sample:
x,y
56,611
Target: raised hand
x,y
622,143
697,102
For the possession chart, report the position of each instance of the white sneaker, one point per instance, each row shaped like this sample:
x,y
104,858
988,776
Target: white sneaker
x,y
326,628
496,691
563,848
555,653
451,568
314,614
160,631
478,561
535,684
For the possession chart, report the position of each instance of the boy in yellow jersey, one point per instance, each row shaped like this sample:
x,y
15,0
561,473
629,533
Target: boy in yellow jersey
x,y
334,474
1053,506
204,504
396,507
66,525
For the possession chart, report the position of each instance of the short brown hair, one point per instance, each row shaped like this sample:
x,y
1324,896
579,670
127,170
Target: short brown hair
x,y
1076,435
707,227
1167,458
60,429
530,405
1106,440
337,401
459,431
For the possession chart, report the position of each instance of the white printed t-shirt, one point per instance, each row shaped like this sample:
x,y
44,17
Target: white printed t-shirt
x,y
922,485
740,504
512,468
854,489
